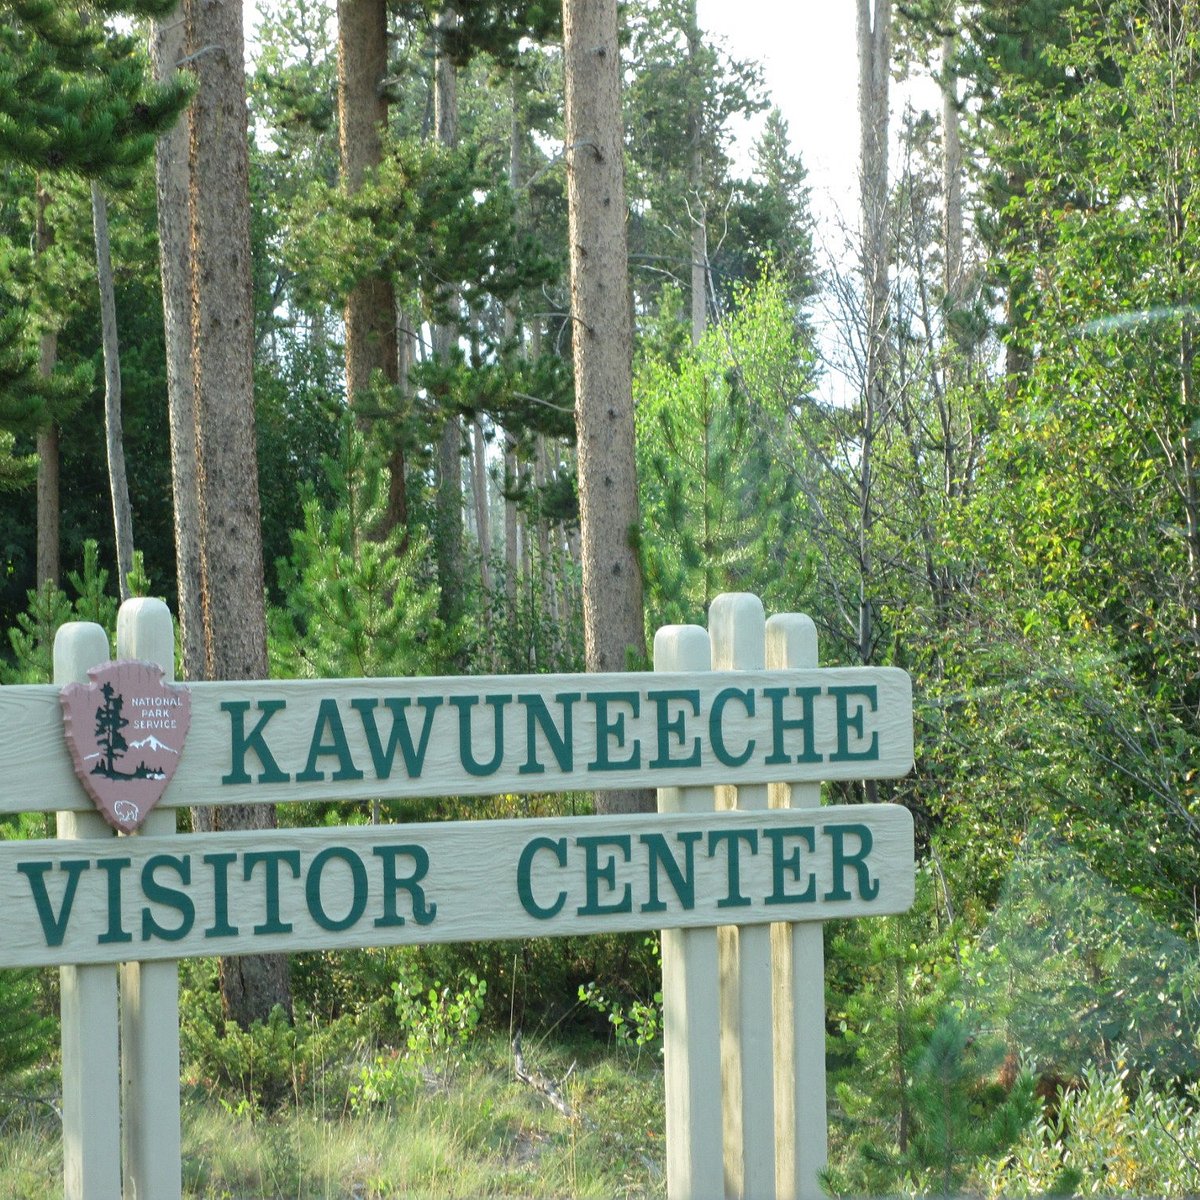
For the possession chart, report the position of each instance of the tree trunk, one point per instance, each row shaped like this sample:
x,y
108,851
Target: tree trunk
x,y
874,64
231,564
448,539
483,527
511,331
699,205
171,173
370,314
874,55
114,436
952,175
602,339
49,567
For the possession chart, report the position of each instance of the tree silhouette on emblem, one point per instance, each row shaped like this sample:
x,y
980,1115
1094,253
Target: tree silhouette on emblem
x,y
109,723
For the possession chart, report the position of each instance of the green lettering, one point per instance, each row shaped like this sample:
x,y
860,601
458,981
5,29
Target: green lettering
x,y
536,713
868,888
54,928
423,913
525,883
780,724
312,888
240,741
414,760
659,855
780,864
220,865
846,722
114,933
614,728
158,893
329,718
716,734
466,751
674,725
271,860
733,838
594,873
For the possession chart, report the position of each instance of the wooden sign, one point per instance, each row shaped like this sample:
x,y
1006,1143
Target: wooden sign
x,y
269,741
125,729
305,889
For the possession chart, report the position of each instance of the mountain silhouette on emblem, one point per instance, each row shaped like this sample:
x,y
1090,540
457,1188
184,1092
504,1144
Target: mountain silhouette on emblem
x,y
153,743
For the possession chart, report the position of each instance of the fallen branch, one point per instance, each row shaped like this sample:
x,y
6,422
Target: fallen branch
x,y
538,1081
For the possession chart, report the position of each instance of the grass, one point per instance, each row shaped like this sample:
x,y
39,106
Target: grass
x,y
461,1126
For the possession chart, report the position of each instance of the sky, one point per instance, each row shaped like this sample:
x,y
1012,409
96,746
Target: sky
x,y
807,53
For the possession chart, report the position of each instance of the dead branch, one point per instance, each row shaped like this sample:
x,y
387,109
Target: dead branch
x,y
539,1082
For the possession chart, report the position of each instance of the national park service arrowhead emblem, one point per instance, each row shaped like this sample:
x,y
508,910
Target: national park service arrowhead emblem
x,y
126,730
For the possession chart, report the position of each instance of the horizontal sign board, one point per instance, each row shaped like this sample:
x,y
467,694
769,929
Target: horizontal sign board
x,y
279,740
193,895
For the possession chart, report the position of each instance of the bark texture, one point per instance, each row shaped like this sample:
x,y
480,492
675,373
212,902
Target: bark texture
x,y
114,436
49,568
222,322
699,197
370,313
952,175
603,345
171,175
874,30
448,525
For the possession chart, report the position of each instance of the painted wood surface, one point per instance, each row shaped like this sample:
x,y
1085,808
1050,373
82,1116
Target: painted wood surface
x,y
273,741
150,1132
736,623
145,898
695,1150
798,960
88,995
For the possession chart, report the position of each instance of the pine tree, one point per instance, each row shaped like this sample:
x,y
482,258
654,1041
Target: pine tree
x,y
75,97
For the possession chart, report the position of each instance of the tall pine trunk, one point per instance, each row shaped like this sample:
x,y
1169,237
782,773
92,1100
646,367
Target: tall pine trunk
x,y
874,64
370,314
49,567
602,339
952,176
699,212
172,175
874,61
448,525
231,563
114,436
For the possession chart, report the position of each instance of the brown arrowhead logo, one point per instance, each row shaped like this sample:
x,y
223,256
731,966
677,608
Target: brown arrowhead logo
x,y
126,730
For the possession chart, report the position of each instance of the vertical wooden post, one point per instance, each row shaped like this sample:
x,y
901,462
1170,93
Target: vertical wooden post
x,y
150,991
799,967
88,996
691,992
737,627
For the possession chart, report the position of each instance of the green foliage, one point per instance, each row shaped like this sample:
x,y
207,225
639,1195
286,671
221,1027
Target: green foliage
x,y
429,218
636,1023
1073,973
717,513
75,95
1114,1133
26,1033
32,638
526,636
355,603
959,1111
440,1019
923,1098
274,1062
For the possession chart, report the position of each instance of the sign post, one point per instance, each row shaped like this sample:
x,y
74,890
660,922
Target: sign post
x,y
737,870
